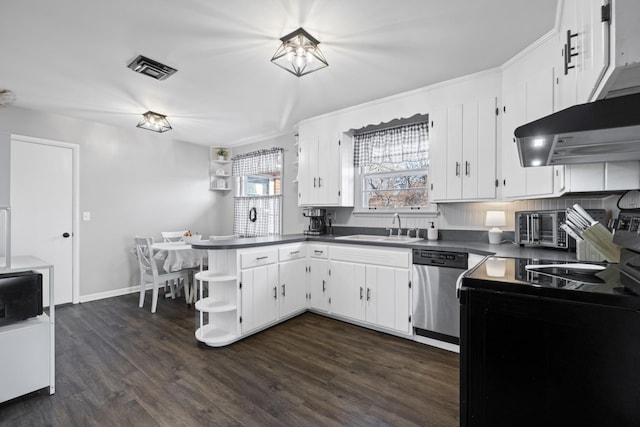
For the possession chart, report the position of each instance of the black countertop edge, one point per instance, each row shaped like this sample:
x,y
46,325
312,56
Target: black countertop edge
x,y
475,247
622,299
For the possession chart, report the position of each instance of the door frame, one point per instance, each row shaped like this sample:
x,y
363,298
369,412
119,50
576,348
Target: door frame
x,y
75,216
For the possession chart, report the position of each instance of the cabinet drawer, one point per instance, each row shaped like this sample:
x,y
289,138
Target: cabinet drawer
x,y
318,251
260,257
388,257
285,253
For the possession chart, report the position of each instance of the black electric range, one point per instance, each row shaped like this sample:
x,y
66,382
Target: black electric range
x,y
511,275
549,347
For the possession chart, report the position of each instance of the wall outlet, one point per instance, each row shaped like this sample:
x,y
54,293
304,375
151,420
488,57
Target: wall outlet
x,y
331,215
86,216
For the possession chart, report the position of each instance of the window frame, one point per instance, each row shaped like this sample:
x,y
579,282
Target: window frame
x,y
361,174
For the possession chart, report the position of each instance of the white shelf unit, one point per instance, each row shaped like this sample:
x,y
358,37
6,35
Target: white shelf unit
x,y
217,302
27,358
219,171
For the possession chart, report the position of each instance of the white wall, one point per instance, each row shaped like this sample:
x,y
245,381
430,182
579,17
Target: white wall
x,y
134,182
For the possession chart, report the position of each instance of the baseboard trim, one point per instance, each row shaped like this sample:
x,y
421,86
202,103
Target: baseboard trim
x,y
113,293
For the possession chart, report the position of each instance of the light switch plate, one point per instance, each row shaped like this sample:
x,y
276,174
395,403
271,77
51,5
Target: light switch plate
x,y
86,216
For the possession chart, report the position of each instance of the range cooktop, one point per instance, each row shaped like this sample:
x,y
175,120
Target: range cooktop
x,y
599,285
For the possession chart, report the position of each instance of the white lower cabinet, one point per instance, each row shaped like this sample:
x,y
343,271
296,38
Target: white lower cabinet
x,y
293,279
347,290
259,292
371,286
247,290
318,277
387,297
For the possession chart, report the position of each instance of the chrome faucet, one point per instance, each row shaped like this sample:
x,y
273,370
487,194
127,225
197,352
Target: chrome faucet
x,y
395,215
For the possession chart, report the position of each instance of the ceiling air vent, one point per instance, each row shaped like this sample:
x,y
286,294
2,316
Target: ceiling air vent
x,y
151,68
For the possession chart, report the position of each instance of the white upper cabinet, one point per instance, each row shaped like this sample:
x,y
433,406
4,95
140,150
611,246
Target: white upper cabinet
x,y
462,147
325,168
528,94
582,53
5,145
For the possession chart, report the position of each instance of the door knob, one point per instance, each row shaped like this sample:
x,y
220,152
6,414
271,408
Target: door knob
x,y
65,235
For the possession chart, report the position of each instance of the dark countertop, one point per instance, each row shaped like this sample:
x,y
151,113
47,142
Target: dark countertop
x,y
511,276
475,247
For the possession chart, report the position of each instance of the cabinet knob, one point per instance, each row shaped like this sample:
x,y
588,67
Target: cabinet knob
x,y
66,235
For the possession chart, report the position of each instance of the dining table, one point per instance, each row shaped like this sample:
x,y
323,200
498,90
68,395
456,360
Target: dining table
x,y
178,256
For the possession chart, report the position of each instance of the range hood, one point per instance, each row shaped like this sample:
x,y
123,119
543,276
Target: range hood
x,y
607,129
599,131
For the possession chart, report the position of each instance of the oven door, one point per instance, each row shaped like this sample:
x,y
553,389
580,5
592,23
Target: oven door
x,y
546,229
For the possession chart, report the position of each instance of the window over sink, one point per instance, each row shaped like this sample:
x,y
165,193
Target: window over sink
x,y
392,165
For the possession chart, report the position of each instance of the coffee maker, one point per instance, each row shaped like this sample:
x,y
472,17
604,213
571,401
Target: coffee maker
x,y
317,221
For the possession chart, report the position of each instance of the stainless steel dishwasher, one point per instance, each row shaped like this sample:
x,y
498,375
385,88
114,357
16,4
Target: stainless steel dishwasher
x,y
436,309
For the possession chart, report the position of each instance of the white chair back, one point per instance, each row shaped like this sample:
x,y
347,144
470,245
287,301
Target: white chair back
x,y
172,236
144,253
151,271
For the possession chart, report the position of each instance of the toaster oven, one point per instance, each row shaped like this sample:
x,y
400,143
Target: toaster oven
x,y
542,228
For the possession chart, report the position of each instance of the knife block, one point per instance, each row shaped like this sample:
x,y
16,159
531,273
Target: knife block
x,y
586,252
602,240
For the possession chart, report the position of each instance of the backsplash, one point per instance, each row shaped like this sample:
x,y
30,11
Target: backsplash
x,y
469,216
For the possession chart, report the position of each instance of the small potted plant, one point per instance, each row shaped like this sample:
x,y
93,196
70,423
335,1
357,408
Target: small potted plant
x,y
222,153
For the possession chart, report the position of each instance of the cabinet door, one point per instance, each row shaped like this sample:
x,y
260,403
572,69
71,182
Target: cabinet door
x,y
293,286
387,297
593,48
318,284
566,90
454,152
482,174
469,155
539,103
525,103
5,146
513,175
348,289
622,176
259,296
438,154
307,167
328,169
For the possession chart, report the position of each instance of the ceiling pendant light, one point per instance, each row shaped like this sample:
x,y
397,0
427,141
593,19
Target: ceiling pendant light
x,y
299,54
155,122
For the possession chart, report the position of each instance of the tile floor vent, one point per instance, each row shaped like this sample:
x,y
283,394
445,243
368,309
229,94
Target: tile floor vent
x,y
151,68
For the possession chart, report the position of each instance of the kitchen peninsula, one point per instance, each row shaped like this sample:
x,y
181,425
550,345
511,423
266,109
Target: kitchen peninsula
x,y
256,283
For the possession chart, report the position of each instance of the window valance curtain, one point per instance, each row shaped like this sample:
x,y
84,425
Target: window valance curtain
x,y
257,162
409,143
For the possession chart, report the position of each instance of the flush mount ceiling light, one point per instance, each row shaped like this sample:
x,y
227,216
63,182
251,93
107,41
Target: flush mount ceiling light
x,y
155,122
299,54
151,68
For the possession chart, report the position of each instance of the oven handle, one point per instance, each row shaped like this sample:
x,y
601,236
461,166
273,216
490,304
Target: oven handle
x,y
535,228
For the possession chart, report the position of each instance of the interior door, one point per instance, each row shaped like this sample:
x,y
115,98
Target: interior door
x,y
42,210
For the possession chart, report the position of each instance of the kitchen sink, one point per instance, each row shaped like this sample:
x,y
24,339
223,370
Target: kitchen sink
x,y
362,237
401,239
378,238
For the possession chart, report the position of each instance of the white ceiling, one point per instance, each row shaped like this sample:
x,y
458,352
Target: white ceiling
x,y
69,57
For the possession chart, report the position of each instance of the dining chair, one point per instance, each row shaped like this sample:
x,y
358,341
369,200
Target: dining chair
x,y
151,271
172,236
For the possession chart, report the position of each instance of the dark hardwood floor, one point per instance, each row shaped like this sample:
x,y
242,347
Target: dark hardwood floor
x,y
119,365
